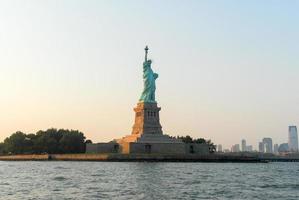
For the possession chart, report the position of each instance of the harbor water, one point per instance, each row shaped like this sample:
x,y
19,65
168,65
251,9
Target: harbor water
x,y
147,180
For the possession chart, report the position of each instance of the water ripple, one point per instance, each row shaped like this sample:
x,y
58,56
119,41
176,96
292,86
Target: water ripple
x,y
59,178
104,180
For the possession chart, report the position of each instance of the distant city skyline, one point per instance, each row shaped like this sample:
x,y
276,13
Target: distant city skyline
x,y
267,145
228,70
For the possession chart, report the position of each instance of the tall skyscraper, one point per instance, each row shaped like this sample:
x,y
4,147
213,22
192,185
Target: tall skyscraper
x,y
219,148
268,145
249,148
243,145
261,147
235,148
276,148
283,148
293,138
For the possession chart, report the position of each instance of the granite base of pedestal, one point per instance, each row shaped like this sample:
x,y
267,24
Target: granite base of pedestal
x,y
150,143
148,148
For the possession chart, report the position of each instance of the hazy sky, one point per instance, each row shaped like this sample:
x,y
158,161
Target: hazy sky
x,y
228,70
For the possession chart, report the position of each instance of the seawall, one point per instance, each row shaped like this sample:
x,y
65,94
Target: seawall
x,y
131,158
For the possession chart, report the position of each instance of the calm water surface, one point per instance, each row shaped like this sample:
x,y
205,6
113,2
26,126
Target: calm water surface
x,y
148,180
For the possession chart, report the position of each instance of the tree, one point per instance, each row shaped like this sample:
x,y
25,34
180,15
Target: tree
x,y
2,148
18,143
50,141
73,142
88,142
200,141
188,139
212,147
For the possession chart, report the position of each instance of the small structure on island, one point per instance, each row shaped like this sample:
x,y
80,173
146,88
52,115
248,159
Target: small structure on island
x,y
147,135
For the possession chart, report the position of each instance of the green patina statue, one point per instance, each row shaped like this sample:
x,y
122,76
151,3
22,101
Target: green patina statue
x,y
149,79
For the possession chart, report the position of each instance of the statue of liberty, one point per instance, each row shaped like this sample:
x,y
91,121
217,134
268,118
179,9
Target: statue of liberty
x,y
149,79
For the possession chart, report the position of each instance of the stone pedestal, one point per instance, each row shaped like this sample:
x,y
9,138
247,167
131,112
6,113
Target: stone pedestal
x,y
147,128
147,120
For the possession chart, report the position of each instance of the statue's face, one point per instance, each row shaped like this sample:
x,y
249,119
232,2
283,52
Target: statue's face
x,y
149,62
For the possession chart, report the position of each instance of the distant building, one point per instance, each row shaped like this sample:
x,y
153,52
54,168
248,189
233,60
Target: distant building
x,y
243,145
226,150
235,148
261,147
219,148
249,148
276,148
283,148
268,145
293,138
